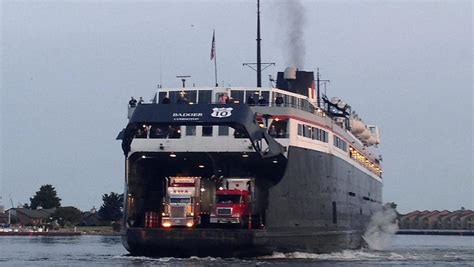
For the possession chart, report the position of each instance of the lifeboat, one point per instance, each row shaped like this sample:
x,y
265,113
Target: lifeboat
x,y
365,135
357,126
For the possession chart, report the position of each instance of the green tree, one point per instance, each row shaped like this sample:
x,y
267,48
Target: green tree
x,y
46,198
111,210
67,215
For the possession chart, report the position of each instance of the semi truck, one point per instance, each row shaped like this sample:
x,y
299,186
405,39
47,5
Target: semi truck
x,y
181,203
234,204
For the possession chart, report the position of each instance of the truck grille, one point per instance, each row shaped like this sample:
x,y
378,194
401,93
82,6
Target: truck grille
x,y
224,211
177,212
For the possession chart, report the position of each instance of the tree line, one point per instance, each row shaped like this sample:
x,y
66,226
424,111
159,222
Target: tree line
x,y
46,198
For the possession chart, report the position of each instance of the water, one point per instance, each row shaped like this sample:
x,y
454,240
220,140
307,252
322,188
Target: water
x,y
108,251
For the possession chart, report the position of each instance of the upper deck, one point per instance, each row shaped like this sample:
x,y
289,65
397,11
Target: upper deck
x,y
293,119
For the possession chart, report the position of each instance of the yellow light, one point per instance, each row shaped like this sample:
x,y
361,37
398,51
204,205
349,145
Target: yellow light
x,y
166,224
189,224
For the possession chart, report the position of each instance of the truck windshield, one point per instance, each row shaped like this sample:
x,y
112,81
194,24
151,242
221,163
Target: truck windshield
x,y
228,199
180,200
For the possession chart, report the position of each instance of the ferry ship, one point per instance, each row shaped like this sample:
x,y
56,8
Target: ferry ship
x,y
229,171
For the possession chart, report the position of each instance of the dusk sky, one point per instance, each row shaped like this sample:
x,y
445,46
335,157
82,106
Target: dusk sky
x,y
68,69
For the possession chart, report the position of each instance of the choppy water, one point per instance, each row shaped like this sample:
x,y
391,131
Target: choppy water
x,y
108,251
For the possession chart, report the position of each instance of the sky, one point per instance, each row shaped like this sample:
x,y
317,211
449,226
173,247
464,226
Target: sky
x,y
68,69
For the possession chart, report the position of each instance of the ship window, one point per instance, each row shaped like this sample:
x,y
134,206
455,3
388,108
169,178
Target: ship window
x,y
204,96
142,132
190,96
159,131
174,132
300,129
251,97
278,129
278,99
161,96
240,133
266,96
292,102
320,135
307,131
174,96
206,130
191,130
334,212
223,130
339,143
237,95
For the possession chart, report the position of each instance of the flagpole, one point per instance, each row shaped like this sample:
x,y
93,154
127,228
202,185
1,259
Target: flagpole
x,y
215,70
215,56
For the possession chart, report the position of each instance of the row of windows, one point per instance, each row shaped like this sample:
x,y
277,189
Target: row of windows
x,y
290,101
313,133
207,130
251,97
339,143
205,96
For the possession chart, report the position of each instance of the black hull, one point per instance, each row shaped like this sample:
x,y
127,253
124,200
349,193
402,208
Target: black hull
x,y
320,204
234,242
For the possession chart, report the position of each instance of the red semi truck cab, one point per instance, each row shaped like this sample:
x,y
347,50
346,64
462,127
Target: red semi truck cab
x,y
233,203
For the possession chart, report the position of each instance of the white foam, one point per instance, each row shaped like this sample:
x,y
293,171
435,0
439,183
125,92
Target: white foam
x,y
381,229
345,255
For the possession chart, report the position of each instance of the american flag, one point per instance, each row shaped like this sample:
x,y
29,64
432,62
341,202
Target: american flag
x,y
213,45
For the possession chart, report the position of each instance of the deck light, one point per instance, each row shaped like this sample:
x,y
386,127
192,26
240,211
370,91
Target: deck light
x,y
275,161
143,157
172,155
201,166
203,189
245,155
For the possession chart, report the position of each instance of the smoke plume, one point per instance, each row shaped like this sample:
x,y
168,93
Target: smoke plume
x,y
294,19
383,225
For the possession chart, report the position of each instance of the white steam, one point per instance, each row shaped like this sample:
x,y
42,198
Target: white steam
x,y
294,20
383,225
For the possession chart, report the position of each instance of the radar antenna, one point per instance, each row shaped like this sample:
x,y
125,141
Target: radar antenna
x,y
183,79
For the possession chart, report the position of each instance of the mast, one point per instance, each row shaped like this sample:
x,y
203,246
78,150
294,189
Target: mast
x,y
317,88
259,59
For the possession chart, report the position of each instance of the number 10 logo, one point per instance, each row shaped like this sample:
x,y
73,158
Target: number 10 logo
x,y
221,112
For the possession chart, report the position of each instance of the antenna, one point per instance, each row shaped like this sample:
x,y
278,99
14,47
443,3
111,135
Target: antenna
x,y
183,79
259,56
318,83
